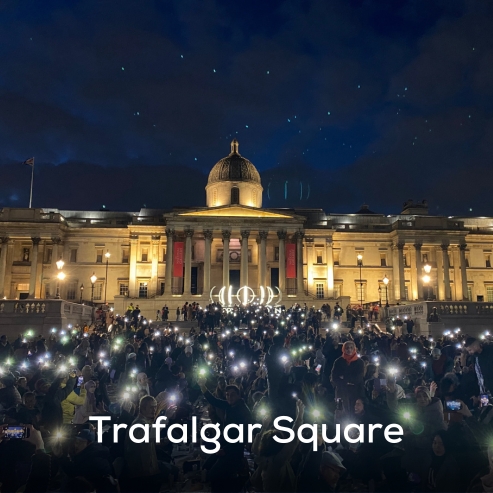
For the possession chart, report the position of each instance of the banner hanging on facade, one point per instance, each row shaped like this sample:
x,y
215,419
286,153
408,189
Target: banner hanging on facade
x,y
290,261
178,259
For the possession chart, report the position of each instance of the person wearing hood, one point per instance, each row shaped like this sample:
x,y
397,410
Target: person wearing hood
x,y
347,377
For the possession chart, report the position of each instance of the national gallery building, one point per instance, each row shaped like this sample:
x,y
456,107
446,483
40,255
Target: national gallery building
x,y
233,249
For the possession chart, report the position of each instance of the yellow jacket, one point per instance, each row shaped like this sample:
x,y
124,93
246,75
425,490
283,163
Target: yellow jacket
x,y
68,405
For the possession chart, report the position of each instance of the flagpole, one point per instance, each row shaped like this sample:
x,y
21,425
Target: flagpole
x,y
32,179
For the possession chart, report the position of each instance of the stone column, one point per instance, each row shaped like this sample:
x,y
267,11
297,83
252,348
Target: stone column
x,y
132,284
262,258
207,261
463,271
402,278
299,263
187,282
282,260
440,283
244,258
310,260
168,275
330,268
226,237
34,268
55,256
4,241
446,272
419,270
154,266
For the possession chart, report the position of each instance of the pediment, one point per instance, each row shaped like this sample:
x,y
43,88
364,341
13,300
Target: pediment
x,y
236,211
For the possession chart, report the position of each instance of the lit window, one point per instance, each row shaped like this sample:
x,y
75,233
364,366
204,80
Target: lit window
x,y
143,290
123,289
320,290
98,290
489,294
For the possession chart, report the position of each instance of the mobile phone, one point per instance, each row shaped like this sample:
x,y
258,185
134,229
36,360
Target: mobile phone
x,y
379,384
485,400
80,381
318,368
453,405
16,432
338,404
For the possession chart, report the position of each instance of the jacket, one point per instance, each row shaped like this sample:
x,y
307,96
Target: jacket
x,y
141,458
68,405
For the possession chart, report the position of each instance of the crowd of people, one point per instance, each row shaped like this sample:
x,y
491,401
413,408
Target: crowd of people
x,y
237,366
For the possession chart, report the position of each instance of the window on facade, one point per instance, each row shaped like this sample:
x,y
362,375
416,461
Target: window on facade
x,y
164,254
406,292
383,260
320,290
145,255
72,290
25,254
73,255
235,195
161,288
48,254
337,256
489,294
425,258
98,290
467,260
99,256
337,290
123,289
143,290
487,260
125,255
276,253
319,256
469,293
47,290
360,292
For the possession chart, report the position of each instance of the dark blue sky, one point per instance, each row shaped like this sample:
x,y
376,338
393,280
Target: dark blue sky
x,y
129,103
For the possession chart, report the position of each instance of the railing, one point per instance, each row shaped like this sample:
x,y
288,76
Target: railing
x,y
42,307
444,309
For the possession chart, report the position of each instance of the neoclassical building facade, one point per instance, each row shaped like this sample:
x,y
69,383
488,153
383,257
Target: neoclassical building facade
x,y
156,257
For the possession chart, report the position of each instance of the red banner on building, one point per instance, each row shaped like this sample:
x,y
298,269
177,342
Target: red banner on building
x,y
290,261
178,249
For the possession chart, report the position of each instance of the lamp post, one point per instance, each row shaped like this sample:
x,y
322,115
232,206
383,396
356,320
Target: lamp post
x,y
360,264
60,276
81,290
107,255
386,282
426,280
93,281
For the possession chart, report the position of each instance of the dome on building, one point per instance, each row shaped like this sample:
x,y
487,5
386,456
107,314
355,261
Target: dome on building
x,y
234,168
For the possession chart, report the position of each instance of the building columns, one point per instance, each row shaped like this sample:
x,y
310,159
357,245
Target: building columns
x,y
330,268
168,275
55,256
34,268
244,258
463,272
187,282
207,261
446,272
419,270
226,238
262,267
4,241
282,260
154,266
132,281
299,262
402,278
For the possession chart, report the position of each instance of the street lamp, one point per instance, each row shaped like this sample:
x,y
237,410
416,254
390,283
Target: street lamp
x,y
107,255
60,276
93,280
81,290
427,279
360,263
386,282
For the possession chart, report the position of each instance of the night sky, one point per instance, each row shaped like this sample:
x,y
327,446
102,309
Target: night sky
x,y
130,103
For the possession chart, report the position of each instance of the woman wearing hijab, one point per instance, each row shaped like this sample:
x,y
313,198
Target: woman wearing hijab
x,y
82,413
347,377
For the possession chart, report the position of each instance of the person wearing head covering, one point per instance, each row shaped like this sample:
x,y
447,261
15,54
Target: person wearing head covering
x,y
143,383
83,412
347,377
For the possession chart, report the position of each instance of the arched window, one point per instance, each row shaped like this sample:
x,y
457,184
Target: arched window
x,y
235,195
214,197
